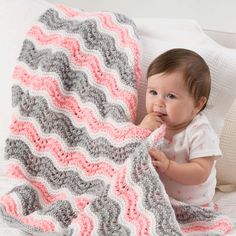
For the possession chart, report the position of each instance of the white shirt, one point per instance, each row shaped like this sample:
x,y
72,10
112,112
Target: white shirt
x,y
197,140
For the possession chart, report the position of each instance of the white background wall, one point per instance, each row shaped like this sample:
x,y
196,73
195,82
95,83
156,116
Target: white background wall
x,y
210,14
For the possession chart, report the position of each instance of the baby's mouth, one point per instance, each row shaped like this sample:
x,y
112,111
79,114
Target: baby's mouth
x,y
160,114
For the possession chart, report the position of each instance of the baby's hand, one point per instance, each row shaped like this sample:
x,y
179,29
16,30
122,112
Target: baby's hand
x,y
151,121
159,160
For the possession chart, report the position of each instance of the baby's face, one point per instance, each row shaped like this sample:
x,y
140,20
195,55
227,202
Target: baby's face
x,y
168,96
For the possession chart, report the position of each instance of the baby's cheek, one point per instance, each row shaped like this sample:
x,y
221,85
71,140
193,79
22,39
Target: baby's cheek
x,y
149,108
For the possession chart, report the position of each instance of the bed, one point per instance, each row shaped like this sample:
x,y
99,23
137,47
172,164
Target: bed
x,y
156,36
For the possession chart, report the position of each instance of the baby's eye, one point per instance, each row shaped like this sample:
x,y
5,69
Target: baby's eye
x,y
171,96
153,92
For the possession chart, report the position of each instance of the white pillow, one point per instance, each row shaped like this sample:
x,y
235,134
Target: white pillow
x,y
173,30
222,64
226,166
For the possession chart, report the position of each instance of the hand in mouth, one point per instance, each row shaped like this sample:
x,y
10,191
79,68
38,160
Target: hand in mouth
x,y
159,113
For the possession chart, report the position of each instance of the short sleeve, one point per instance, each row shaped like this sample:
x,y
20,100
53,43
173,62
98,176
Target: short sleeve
x,y
203,139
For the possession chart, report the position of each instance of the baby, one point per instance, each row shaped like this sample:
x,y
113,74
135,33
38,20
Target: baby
x,y
178,89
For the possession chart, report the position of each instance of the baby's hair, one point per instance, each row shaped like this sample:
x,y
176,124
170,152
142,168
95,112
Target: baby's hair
x,y
194,68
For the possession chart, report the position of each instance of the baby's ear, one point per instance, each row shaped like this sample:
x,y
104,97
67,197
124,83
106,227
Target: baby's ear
x,y
201,102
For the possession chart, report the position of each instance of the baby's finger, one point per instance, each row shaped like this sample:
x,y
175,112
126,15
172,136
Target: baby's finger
x,y
158,118
154,152
156,163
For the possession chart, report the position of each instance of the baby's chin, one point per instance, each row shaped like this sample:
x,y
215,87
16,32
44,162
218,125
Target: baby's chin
x,y
175,127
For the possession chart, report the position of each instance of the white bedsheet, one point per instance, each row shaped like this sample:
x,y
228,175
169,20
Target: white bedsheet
x,y
225,201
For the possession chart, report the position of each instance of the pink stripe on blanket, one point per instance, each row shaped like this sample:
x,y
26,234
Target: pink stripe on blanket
x,y
108,23
44,225
82,202
17,172
89,61
86,224
130,196
64,158
67,11
9,205
69,103
220,225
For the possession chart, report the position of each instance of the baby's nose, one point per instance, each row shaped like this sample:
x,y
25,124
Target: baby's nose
x,y
159,103
158,108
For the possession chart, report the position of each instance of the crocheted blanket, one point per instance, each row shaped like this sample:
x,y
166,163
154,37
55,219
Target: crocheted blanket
x,y
81,165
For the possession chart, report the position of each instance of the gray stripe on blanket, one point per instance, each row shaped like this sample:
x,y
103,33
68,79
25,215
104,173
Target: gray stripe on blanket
x,y
187,214
43,167
107,212
123,19
72,80
93,40
62,211
28,198
58,123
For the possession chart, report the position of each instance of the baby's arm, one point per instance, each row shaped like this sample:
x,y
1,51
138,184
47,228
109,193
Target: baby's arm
x,y
192,173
